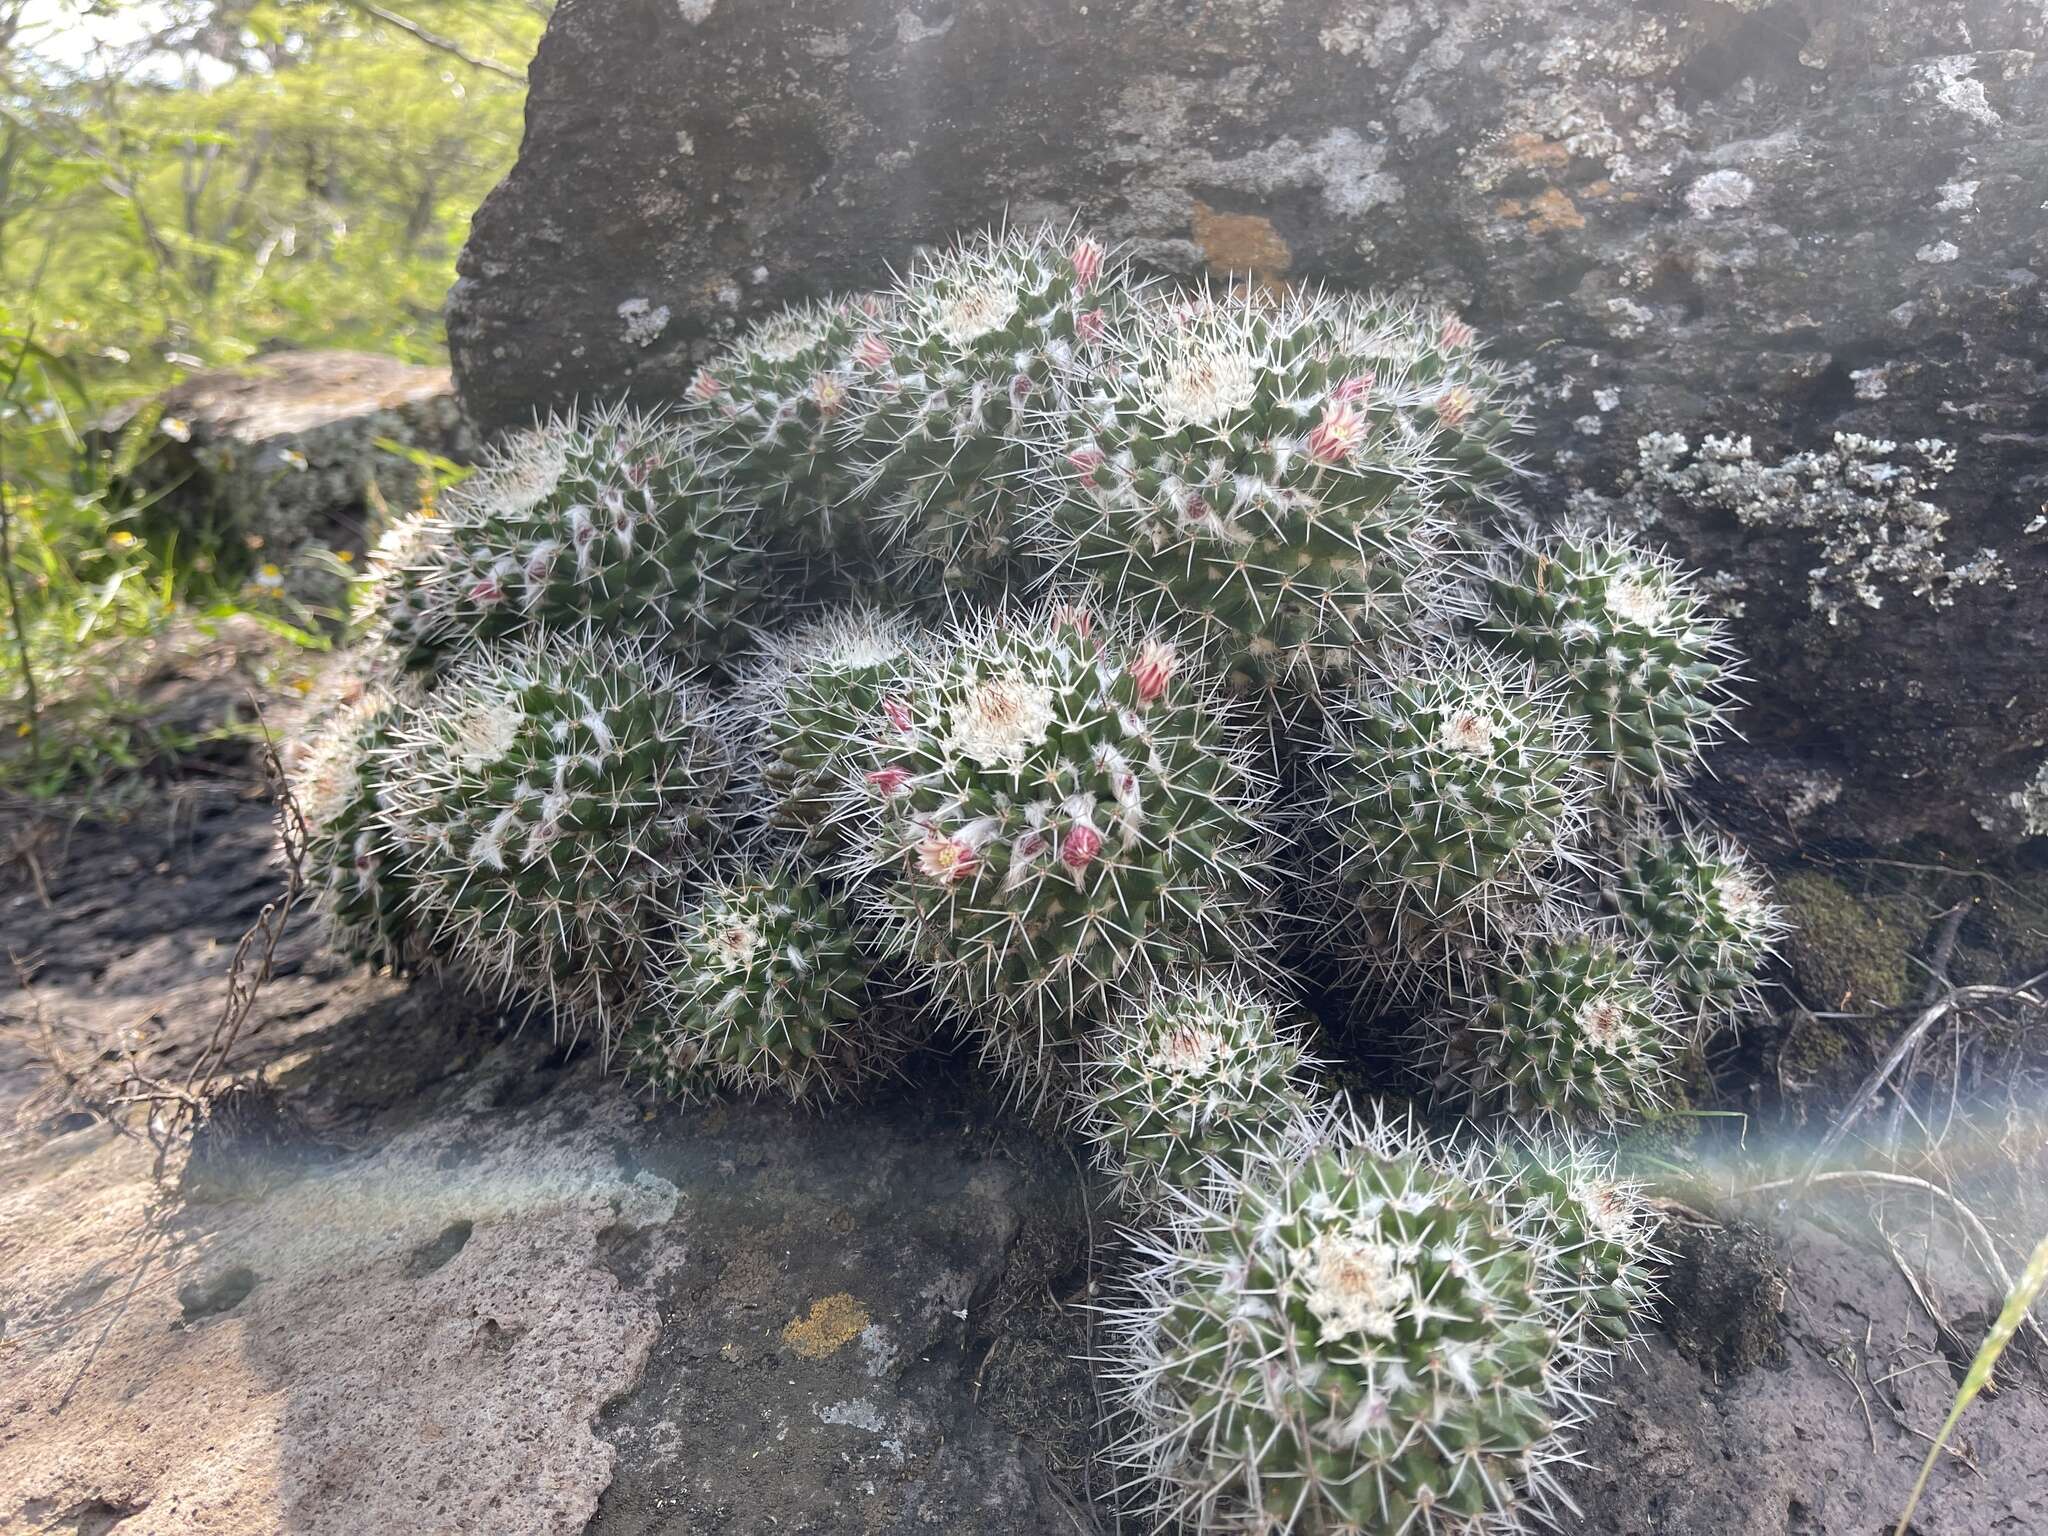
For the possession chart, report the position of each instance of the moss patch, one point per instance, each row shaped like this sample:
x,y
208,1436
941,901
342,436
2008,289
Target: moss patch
x,y
1846,953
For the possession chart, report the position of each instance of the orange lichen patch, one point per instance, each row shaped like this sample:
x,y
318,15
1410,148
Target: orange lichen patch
x,y
1534,150
1596,189
1547,211
831,1324
1241,243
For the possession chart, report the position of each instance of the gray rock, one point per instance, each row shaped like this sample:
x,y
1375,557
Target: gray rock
x,y
1690,216
253,464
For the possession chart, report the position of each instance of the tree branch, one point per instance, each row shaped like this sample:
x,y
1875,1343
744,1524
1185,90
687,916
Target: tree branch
x,y
434,40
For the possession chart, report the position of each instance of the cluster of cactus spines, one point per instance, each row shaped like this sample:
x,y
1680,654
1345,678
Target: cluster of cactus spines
x,y
1628,635
965,385
1249,477
1359,1343
1453,786
760,988
338,781
1594,1234
771,410
544,803
1567,1023
1065,817
1698,903
612,519
1203,1070
815,703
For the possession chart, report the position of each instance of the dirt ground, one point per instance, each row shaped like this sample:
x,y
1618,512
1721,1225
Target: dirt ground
x,y
437,1274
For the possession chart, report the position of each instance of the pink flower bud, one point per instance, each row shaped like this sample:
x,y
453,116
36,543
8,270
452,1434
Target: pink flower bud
x,y
872,352
1196,509
1090,324
1031,845
1087,260
1022,388
1353,389
1336,436
1154,669
1079,847
1078,617
1086,458
889,781
1454,406
1456,333
706,386
487,592
898,713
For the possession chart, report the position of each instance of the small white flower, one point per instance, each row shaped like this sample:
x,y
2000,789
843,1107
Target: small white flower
x,y
1001,719
1638,599
1352,1286
1468,731
974,311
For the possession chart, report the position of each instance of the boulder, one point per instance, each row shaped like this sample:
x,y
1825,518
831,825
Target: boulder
x,y
252,464
1783,220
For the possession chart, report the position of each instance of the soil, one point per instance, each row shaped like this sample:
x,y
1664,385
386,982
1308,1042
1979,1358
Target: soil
x,y
427,1270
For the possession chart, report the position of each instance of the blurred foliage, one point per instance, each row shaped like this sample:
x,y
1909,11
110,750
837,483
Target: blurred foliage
x,y
184,184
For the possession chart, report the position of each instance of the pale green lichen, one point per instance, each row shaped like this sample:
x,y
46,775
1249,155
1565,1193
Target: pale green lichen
x,y
2032,804
1864,502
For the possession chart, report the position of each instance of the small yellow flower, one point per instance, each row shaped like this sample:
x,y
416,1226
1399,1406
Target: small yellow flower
x,y
302,685
345,556
23,729
121,538
270,578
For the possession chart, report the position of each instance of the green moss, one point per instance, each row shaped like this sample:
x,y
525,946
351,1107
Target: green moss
x,y
1846,953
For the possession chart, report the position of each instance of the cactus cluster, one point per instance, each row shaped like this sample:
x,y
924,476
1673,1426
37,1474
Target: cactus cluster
x,y
1280,675
543,804
759,987
1266,474
769,412
358,890
1630,641
1065,817
1454,785
966,383
1200,1071
613,520
815,702
1568,1023
1363,1342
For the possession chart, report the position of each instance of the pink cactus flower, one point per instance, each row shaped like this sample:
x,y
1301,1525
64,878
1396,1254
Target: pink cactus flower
x,y
1353,390
1196,509
1078,617
1031,845
706,386
1154,669
487,592
1022,388
1086,458
1336,436
1079,847
1454,406
899,714
828,392
889,782
872,352
1090,324
1456,333
946,859
1087,260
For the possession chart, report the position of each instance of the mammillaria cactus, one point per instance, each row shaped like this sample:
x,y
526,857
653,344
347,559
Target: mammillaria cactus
x,y
1453,785
815,701
1568,1024
1069,819
1593,1232
1700,905
1359,1344
1200,1070
544,804
759,988
1629,637
1260,473
610,519
358,890
770,412
983,345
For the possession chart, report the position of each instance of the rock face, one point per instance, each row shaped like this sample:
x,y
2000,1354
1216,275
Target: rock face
x,y
254,463
1689,216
